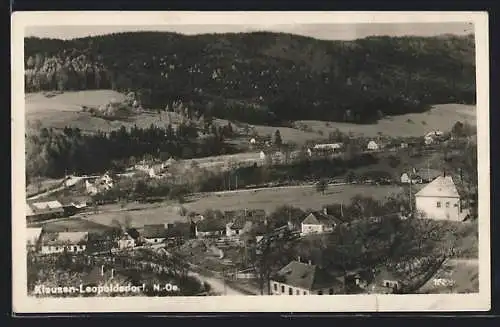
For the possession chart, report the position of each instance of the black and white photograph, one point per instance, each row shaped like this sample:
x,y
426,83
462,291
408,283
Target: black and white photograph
x,y
184,161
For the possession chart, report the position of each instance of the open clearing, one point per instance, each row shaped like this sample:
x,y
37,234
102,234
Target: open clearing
x,y
64,110
72,225
439,117
305,197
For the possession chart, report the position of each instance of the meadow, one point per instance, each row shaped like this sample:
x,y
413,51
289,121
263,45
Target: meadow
x,y
64,109
305,197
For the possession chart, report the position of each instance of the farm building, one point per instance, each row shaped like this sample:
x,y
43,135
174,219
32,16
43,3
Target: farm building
x,y
241,220
319,222
298,278
72,242
37,211
209,227
333,146
440,200
155,233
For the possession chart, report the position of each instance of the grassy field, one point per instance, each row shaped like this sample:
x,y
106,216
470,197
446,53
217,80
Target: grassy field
x,y
65,110
45,184
72,225
440,117
268,199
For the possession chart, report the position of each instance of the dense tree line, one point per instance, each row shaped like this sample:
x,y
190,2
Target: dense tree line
x,y
263,77
53,153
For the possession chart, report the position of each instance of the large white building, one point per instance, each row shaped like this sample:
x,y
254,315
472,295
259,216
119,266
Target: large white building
x,y
440,200
72,242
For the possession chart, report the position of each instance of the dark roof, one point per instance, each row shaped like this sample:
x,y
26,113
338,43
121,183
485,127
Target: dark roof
x,y
239,218
318,217
210,225
154,231
305,276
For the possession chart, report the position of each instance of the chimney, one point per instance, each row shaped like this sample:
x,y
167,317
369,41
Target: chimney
x,y
298,259
309,262
112,273
325,210
102,270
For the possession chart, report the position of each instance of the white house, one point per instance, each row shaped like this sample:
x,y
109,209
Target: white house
x,y
126,242
298,278
209,228
372,146
332,146
440,200
253,141
432,137
318,223
72,242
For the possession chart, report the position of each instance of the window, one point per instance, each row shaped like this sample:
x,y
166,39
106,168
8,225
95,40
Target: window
x,y
275,286
438,204
290,291
282,289
297,292
387,284
305,293
447,204
320,292
330,291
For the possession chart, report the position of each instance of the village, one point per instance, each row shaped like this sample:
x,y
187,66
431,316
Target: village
x,y
249,250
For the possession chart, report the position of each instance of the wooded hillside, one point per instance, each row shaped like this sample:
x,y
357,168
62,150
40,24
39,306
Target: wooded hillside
x,y
261,77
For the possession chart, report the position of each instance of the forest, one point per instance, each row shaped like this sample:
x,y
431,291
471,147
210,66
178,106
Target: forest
x,y
263,78
54,153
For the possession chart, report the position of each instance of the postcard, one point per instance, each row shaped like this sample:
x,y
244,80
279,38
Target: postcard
x,y
250,162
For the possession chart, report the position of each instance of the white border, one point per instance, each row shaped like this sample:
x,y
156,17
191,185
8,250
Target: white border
x,y
340,303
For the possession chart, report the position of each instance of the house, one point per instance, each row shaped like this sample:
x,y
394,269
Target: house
x,y
253,141
335,147
101,184
372,146
72,242
298,278
319,222
155,233
210,227
385,282
33,235
243,220
440,200
37,211
71,207
433,137
126,242
272,156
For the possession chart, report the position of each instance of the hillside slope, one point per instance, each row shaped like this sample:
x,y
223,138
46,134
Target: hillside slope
x,y
263,78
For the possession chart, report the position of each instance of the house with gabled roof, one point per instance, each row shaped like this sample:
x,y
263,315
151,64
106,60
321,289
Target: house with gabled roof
x,y
319,222
36,211
298,278
154,233
72,242
440,200
241,220
209,227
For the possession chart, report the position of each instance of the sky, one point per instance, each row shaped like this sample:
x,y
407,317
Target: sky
x,y
319,31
